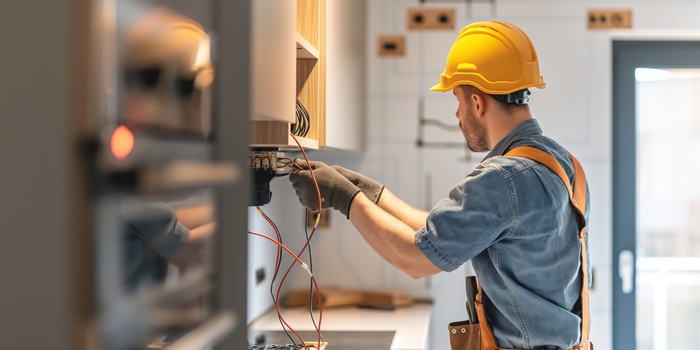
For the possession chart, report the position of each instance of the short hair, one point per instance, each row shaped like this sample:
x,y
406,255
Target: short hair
x,y
508,108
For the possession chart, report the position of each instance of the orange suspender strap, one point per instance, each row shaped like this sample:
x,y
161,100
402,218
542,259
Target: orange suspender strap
x,y
577,198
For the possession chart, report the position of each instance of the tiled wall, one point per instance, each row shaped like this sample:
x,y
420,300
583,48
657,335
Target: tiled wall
x,y
575,109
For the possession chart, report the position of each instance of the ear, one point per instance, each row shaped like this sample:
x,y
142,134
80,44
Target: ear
x,y
479,104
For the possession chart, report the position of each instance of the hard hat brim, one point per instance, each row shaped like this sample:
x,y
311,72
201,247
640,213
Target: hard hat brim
x,y
438,87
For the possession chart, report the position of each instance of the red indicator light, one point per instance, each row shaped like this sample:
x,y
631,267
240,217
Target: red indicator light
x,y
122,142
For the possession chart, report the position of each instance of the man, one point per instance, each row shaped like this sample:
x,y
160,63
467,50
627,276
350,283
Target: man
x,y
511,216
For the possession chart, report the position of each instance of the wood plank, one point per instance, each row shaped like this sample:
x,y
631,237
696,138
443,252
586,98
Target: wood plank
x,y
269,132
308,93
275,134
308,12
305,50
322,74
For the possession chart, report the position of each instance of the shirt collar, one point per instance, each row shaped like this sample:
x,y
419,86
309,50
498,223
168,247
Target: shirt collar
x,y
527,128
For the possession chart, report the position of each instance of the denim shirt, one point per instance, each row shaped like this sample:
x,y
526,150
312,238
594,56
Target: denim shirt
x,y
512,218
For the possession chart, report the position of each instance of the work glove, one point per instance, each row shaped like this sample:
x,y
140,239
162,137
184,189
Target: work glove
x,y
156,224
337,192
370,188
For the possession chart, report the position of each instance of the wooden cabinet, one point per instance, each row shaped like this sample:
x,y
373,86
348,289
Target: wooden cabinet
x,y
288,64
274,100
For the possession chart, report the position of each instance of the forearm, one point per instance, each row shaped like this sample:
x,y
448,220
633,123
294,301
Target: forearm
x,y
195,216
411,216
390,237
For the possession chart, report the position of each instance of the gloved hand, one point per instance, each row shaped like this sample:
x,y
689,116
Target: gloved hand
x,y
156,224
371,189
336,191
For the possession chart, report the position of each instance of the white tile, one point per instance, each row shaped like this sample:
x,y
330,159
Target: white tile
x,y
601,295
392,118
598,175
562,112
601,329
665,14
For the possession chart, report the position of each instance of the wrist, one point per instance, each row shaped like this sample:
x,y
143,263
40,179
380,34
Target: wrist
x,y
372,190
343,202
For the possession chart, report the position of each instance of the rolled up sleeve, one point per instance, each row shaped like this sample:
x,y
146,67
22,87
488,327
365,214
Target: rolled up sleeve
x,y
478,212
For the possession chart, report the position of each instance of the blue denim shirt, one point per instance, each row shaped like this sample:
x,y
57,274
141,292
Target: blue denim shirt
x,y
512,218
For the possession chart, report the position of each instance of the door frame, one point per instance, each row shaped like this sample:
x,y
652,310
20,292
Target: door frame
x,y
629,53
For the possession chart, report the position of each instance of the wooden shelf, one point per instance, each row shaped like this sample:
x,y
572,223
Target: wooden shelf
x,y
305,142
275,134
311,73
274,111
305,50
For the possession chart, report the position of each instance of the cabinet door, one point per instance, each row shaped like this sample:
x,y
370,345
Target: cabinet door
x,y
273,76
345,73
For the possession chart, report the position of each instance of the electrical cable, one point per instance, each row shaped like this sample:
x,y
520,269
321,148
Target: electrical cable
x,y
318,218
289,162
304,266
278,262
303,121
311,268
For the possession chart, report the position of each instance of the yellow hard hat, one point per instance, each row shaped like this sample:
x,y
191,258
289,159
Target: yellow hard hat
x,y
495,57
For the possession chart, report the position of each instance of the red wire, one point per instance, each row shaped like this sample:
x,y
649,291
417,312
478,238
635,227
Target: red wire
x,y
313,279
277,259
289,162
308,241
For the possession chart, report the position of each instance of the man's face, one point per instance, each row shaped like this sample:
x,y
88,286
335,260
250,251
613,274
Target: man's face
x,y
474,132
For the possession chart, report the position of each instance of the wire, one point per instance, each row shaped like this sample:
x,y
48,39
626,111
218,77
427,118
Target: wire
x,y
308,241
289,162
278,262
311,268
303,121
305,267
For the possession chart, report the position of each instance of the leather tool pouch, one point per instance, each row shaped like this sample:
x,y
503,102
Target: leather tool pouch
x,y
464,336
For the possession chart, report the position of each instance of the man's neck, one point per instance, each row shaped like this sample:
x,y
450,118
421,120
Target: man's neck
x,y
503,124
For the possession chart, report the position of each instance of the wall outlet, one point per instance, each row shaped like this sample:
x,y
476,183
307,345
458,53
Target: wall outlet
x,y
424,18
391,45
325,221
609,19
259,275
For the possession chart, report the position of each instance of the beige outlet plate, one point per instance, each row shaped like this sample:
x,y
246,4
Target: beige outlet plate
x,y
609,19
325,221
391,45
429,18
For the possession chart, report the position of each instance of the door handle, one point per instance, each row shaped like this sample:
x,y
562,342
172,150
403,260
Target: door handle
x,y
625,268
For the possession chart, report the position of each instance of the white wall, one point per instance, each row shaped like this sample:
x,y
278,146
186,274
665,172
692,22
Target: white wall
x,y
575,109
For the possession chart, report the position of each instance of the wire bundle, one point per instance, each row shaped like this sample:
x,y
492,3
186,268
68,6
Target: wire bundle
x,y
303,123
309,269
286,163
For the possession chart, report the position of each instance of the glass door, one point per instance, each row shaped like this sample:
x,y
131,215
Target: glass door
x,y
656,195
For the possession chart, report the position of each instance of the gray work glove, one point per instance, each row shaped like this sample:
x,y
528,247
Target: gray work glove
x,y
371,189
337,192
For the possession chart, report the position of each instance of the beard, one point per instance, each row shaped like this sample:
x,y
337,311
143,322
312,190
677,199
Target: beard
x,y
474,133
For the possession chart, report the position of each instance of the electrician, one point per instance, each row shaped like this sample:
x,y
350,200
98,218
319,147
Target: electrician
x,y
520,222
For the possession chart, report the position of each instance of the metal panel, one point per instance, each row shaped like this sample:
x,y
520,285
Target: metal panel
x,y
627,56
230,112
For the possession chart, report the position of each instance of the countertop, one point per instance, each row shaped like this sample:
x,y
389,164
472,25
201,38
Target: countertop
x,y
410,323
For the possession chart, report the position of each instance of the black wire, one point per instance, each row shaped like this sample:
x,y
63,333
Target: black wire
x,y
303,121
311,268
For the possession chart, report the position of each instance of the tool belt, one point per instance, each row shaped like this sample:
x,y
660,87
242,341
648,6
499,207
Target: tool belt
x,y
476,334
